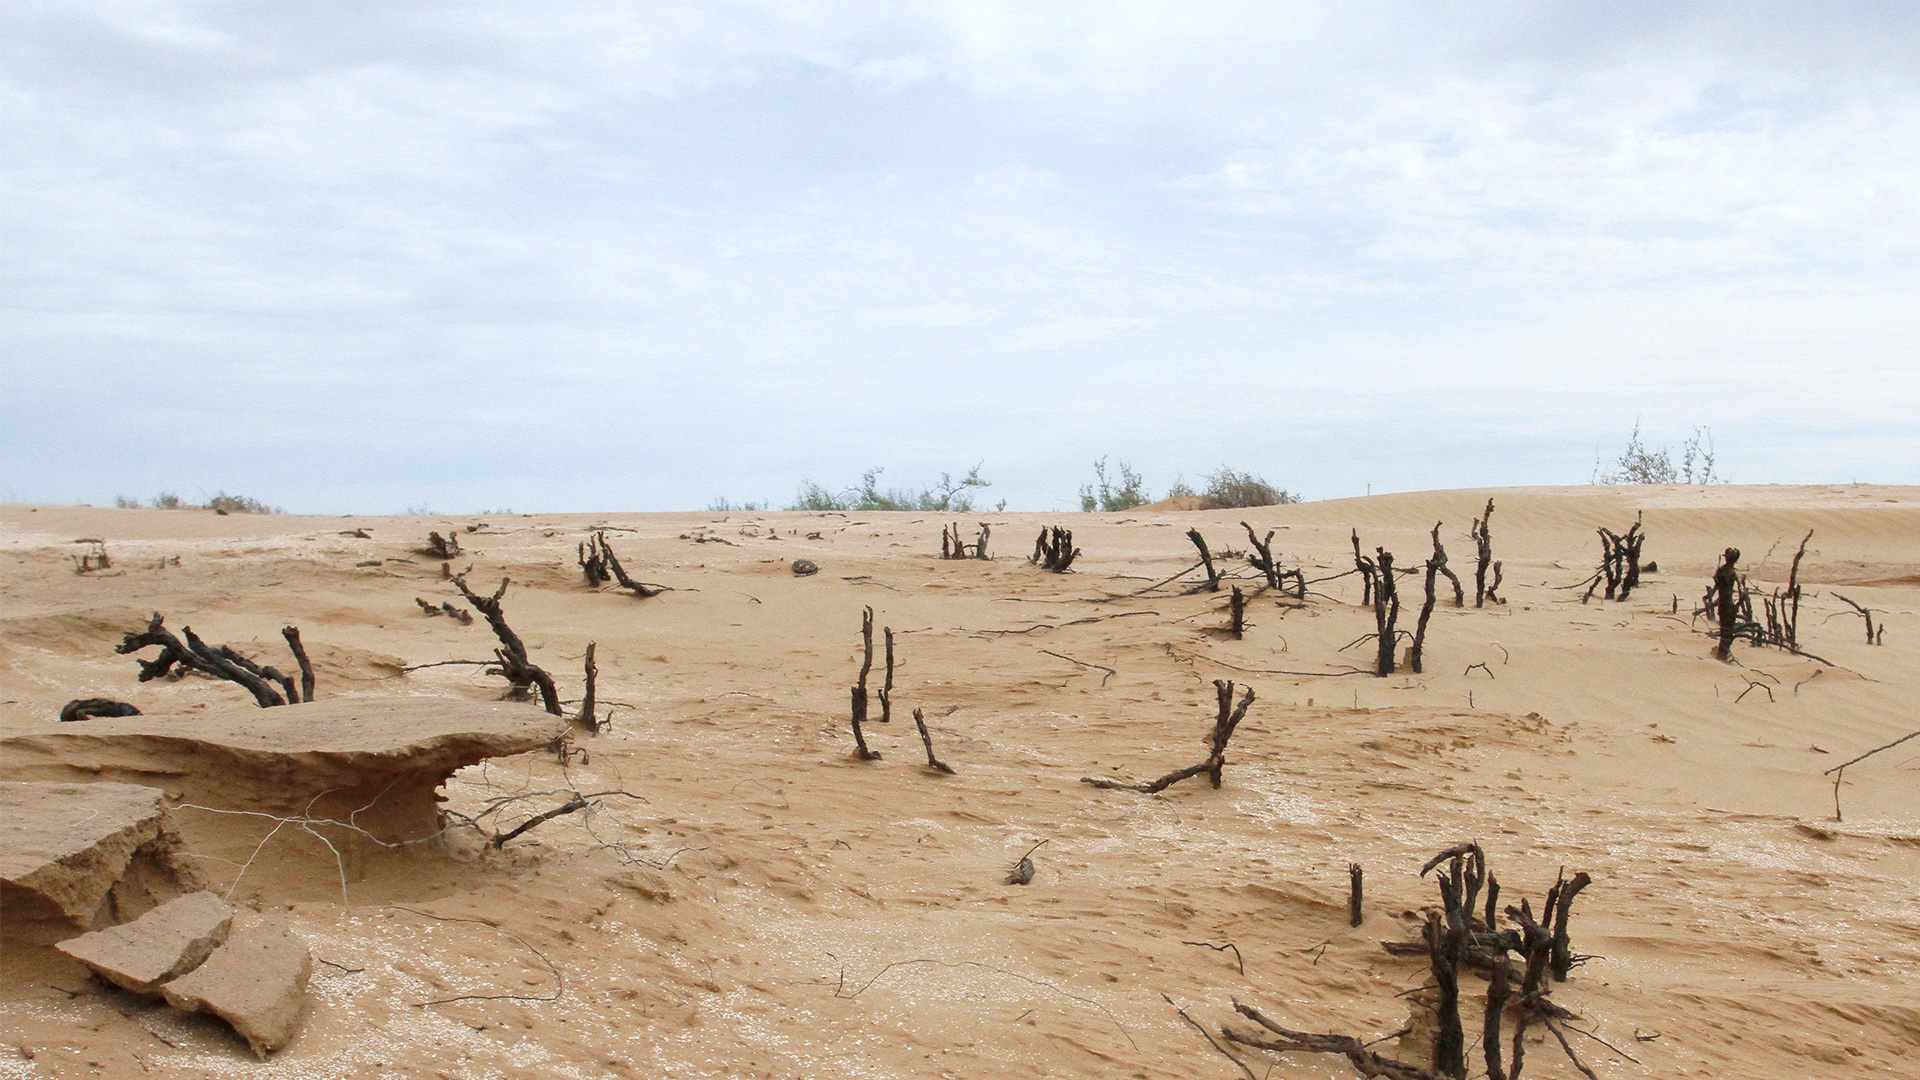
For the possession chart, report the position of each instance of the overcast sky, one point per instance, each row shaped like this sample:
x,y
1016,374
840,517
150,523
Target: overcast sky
x,y
363,257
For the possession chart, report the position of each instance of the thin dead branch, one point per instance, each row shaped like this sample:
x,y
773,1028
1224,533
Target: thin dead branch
x,y
1224,724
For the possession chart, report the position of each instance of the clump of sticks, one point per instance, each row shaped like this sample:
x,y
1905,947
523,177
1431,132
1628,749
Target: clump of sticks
x,y
885,694
1729,600
1264,561
953,547
178,657
1458,935
442,547
445,607
1619,562
1054,549
1224,724
94,558
601,565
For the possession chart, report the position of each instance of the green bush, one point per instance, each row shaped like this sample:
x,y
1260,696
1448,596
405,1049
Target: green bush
x,y
1640,464
224,503
167,500
1227,489
948,496
1102,495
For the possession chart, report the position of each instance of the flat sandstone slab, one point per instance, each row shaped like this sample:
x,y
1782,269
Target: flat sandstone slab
x,y
64,847
355,751
256,982
157,947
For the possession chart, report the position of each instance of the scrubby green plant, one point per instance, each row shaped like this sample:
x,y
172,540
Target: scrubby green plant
x,y
1227,489
724,505
949,495
1641,464
224,503
1103,495
126,502
167,500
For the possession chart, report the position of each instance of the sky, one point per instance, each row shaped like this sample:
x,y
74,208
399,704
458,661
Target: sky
x,y
377,257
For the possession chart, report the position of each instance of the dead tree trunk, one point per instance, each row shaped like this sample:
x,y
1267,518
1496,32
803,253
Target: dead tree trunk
x,y
934,763
980,546
1367,571
1224,723
1445,943
1264,560
1354,879
1558,910
860,688
1386,611
442,547
292,634
587,718
1483,557
602,565
1726,608
195,655
514,664
1436,565
886,685
1238,624
1206,559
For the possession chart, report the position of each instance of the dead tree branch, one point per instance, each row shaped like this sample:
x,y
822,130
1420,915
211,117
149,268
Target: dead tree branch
x,y
602,565
934,763
1867,614
1206,559
1838,772
1386,611
1054,549
860,688
1223,727
521,672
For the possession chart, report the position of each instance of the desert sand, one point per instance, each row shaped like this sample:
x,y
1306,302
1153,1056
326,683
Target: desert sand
x,y
756,901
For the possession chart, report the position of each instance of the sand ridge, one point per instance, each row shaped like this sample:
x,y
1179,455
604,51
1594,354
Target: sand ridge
x,y
770,906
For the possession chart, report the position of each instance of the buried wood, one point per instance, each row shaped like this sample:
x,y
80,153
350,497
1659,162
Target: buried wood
x,y
952,547
1483,559
1371,1063
886,685
1725,603
1022,872
513,663
1206,559
1436,564
1224,724
934,763
1265,562
1867,614
1838,772
441,547
459,615
93,708
1354,879
292,634
1237,618
602,565
586,717
859,694
1619,563
1367,571
1053,549
1386,612
177,657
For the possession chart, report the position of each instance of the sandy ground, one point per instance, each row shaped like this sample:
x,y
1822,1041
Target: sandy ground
x,y
764,904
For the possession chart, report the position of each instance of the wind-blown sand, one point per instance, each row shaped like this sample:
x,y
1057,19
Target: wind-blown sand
x,y
769,906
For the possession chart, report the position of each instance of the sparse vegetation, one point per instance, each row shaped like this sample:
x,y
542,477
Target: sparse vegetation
x,y
1227,489
1641,464
1103,495
224,503
724,505
949,495
167,500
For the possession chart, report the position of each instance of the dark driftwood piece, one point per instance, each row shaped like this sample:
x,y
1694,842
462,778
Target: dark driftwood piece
x,y
1224,724
89,708
1838,772
602,565
1483,558
1867,614
1371,1063
1446,942
1558,910
459,615
513,663
292,634
194,655
1366,569
1619,563
1726,610
952,547
934,763
1354,880
1496,1007
1054,549
1386,611
859,696
1022,872
1436,564
1264,562
886,686
587,718
1237,620
442,547
1206,559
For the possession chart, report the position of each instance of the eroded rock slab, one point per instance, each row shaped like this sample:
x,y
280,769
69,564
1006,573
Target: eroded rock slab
x,y
157,947
85,855
256,982
376,760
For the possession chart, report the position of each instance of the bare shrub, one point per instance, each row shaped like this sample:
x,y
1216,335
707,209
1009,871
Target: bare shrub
x,y
1642,464
1103,495
1227,489
950,495
224,503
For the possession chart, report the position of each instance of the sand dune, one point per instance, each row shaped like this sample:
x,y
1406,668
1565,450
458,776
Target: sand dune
x,y
760,903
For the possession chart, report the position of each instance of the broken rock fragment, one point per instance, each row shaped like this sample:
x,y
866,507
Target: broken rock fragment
x,y
85,855
256,982
157,947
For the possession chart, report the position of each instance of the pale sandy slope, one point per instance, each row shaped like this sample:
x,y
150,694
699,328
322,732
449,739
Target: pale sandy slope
x,y
780,909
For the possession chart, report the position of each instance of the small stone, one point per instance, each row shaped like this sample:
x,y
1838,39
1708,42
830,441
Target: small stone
x,y
157,947
804,567
256,982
